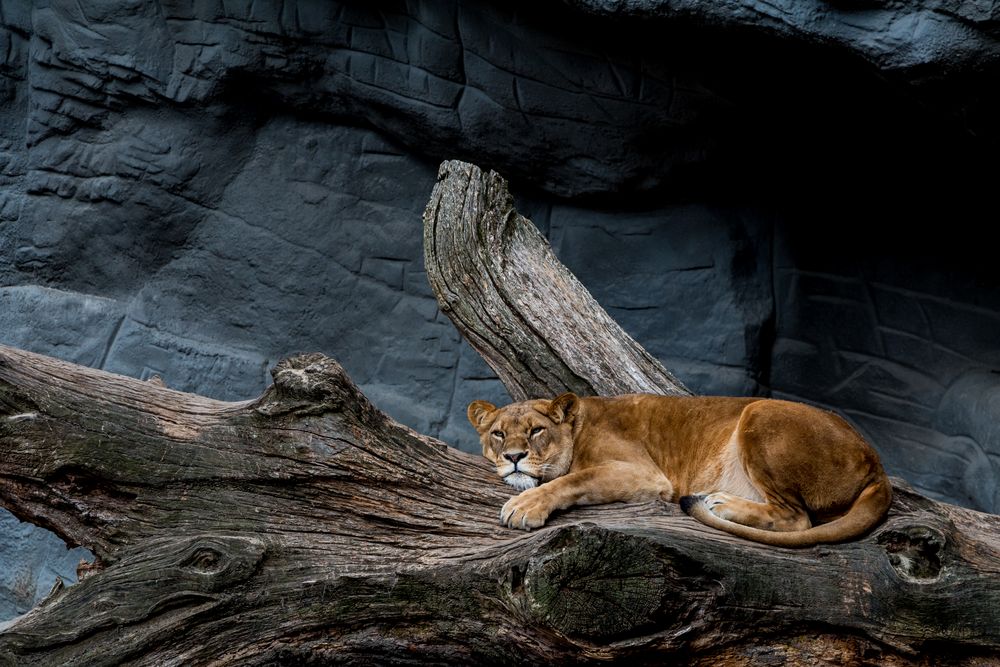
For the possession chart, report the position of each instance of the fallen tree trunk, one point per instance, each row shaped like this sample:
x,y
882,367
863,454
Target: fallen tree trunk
x,y
306,527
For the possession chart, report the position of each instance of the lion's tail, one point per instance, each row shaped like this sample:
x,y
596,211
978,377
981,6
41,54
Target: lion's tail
x,y
868,509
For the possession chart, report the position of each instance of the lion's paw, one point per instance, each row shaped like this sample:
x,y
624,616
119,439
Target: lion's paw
x,y
527,510
718,504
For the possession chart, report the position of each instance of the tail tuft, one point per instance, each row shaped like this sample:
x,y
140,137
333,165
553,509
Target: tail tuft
x,y
688,503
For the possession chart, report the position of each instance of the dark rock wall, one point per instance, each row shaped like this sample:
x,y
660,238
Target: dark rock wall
x,y
901,333
770,198
32,560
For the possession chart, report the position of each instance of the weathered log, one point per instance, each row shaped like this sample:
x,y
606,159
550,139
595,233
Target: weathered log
x,y
504,289
305,526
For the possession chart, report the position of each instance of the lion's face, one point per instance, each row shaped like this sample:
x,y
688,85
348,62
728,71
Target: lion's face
x,y
529,442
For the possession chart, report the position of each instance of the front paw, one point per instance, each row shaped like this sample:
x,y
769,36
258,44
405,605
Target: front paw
x,y
527,510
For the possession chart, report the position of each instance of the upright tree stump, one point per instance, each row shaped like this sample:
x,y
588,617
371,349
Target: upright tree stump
x,y
307,527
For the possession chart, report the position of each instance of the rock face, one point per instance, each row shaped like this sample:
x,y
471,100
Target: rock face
x,y
771,197
904,347
33,560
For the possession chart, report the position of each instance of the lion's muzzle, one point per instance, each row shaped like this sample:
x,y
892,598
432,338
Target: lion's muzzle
x,y
521,481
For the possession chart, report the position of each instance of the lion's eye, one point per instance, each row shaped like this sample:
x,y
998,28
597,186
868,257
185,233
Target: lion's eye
x,y
497,434
535,431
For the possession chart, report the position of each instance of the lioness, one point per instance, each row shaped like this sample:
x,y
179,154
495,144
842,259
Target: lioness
x,y
762,469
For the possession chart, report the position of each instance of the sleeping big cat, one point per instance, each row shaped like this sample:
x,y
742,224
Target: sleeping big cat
x,y
772,471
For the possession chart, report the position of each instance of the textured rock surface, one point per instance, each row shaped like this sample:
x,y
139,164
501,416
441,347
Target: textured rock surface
x,y
193,189
906,38
31,561
906,347
691,282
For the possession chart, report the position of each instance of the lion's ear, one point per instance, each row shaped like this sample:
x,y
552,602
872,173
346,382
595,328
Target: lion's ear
x,y
478,412
564,408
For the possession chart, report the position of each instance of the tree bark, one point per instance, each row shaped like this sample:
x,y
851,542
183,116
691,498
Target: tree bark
x,y
307,527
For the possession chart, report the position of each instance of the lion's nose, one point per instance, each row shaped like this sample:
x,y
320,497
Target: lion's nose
x,y
514,457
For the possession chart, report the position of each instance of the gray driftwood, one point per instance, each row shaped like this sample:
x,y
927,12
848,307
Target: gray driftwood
x,y
532,321
306,527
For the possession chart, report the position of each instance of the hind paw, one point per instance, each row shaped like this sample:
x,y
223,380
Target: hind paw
x,y
720,504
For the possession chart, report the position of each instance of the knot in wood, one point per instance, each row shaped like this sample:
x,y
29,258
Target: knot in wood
x,y
204,560
214,562
915,552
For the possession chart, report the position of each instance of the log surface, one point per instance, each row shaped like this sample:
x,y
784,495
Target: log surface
x,y
532,321
307,527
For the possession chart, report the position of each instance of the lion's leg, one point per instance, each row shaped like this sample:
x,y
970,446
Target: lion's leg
x,y
600,484
758,467
767,515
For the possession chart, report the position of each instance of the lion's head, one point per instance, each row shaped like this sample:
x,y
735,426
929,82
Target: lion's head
x,y
530,442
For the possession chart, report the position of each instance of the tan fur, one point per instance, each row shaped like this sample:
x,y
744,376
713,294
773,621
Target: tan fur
x,y
763,469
